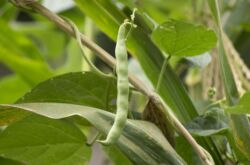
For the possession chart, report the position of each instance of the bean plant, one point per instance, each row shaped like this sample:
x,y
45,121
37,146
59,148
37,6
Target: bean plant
x,y
139,82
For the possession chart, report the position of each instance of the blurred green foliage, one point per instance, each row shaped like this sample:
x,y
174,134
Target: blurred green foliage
x,y
33,49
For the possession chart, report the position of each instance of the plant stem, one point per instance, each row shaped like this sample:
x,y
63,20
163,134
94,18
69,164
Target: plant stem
x,y
78,38
94,138
240,128
89,30
163,69
108,59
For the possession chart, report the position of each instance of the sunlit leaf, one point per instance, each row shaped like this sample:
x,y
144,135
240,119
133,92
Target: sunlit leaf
x,y
242,107
179,38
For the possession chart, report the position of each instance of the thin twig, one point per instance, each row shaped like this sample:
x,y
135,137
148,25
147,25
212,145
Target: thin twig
x,y
108,59
163,69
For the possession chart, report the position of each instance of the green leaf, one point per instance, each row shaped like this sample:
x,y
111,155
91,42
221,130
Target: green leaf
x,y
39,140
214,11
139,141
179,38
84,88
4,161
8,12
187,152
242,107
213,122
79,88
116,156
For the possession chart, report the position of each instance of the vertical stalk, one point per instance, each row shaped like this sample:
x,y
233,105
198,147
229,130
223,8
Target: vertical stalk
x,y
89,30
240,127
163,69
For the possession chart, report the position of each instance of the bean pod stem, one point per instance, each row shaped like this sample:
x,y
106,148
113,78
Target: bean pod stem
x,y
78,39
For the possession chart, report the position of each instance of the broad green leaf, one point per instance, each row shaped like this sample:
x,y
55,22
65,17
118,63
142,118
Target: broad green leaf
x,y
85,88
8,12
62,88
178,38
242,107
40,141
213,122
116,156
10,91
139,142
7,117
4,161
187,152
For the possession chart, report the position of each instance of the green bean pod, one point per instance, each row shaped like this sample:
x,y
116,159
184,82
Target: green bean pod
x,y
122,87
